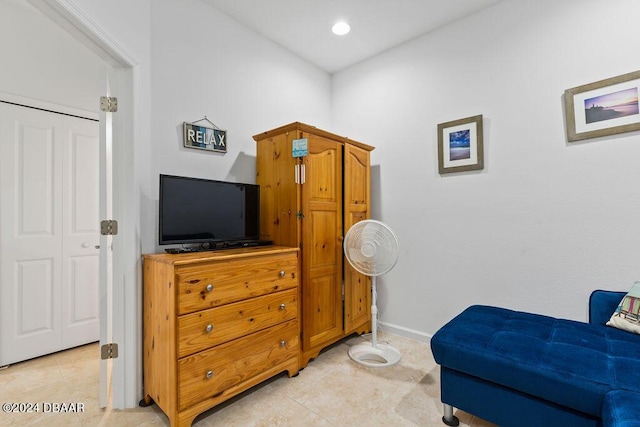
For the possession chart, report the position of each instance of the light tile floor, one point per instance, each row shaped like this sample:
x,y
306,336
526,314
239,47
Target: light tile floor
x,y
331,391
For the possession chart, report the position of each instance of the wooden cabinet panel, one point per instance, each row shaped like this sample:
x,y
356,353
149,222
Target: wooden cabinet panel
x,y
322,245
322,250
357,178
322,310
357,301
206,328
357,190
322,172
233,281
210,373
323,176
279,193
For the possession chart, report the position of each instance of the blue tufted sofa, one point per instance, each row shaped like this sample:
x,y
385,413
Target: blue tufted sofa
x,y
520,369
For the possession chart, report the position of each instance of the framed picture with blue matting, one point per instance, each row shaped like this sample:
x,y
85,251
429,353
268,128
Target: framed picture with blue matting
x,y
460,146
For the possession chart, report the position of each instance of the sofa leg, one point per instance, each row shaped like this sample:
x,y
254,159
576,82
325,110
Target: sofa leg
x,y
448,418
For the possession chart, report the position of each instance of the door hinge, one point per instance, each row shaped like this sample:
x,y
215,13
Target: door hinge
x,y
108,104
109,227
109,351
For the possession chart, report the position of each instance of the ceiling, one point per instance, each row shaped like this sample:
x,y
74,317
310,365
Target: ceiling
x,y
304,26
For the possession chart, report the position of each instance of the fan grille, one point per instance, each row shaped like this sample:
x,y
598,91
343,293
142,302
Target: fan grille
x,y
371,247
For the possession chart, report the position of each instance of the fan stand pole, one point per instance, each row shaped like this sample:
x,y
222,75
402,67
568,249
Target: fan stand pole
x,y
372,354
374,313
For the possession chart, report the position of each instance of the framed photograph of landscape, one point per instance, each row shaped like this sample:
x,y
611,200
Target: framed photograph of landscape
x,y
460,145
602,108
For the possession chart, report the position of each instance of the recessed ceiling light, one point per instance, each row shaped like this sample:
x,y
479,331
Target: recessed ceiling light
x,y
341,28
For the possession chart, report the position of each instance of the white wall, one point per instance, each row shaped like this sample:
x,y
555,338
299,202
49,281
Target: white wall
x,y
43,62
545,222
206,64
192,61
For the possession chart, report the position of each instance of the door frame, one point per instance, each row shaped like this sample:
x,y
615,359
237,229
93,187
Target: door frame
x,y
126,373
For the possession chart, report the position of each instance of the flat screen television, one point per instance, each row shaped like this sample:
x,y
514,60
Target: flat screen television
x,y
194,210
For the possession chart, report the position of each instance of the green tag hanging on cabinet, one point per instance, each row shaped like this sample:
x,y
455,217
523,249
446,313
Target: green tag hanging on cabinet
x,y
300,147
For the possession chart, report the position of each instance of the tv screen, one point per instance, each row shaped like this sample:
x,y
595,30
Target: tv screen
x,y
196,210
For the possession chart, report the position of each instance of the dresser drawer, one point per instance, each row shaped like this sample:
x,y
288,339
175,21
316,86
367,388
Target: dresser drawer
x,y
212,284
211,372
203,329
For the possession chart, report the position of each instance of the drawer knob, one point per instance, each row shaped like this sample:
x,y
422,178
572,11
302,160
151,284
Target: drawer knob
x,y
283,306
282,273
209,287
283,343
209,328
209,374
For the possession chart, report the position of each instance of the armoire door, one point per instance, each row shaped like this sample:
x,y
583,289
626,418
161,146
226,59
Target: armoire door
x,y
48,232
357,193
321,242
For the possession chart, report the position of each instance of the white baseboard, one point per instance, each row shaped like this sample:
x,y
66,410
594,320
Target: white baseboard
x,y
405,332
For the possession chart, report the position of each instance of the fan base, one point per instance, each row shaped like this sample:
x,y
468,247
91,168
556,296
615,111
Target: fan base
x,y
378,356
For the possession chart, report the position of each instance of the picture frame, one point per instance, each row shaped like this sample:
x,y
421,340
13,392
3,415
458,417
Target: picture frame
x,y
460,145
606,107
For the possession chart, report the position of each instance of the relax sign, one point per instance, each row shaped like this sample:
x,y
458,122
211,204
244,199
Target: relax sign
x,y
204,138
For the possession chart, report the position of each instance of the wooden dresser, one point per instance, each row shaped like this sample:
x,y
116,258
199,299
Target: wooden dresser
x,y
217,323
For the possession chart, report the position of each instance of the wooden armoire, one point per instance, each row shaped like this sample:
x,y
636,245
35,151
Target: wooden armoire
x,y
310,202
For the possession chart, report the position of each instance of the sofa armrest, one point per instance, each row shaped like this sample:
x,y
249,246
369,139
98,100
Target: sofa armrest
x,y
602,305
620,409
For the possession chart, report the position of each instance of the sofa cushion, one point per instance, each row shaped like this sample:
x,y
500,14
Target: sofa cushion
x,y
567,362
627,314
621,408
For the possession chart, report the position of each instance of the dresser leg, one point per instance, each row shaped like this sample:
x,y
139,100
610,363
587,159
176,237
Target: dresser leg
x,y
146,401
185,421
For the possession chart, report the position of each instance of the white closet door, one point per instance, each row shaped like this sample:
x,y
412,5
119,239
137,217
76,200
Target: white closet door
x,y
30,232
41,298
80,233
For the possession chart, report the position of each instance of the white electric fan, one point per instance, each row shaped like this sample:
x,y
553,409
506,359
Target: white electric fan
x,y
371,247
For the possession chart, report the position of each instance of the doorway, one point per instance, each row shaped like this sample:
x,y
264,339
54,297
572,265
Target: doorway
x,y
116,79
49,233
